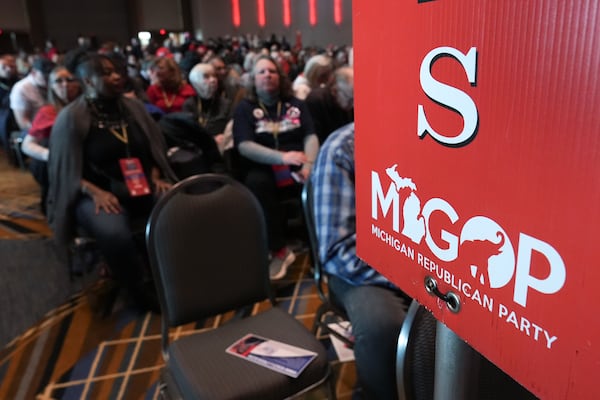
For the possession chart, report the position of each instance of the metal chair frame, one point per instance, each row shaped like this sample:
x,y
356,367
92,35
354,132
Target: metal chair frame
x,y
328,304
168,387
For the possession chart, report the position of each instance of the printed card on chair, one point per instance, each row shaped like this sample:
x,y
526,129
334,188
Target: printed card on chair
x,y
277,356
342,350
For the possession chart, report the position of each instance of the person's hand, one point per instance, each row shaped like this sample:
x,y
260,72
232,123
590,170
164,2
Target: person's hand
x,y
161,186
294,158
304,173
130,94
219,139
106,201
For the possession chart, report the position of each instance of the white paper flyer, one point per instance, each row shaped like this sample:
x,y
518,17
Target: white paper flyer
x,y
281,357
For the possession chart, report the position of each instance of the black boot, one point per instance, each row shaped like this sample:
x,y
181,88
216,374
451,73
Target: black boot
x,y
144,297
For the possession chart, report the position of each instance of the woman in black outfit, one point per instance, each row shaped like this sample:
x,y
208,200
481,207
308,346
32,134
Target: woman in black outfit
x,y
275,136
107,163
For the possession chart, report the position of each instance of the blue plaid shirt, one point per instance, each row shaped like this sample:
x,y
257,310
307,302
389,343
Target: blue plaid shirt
x,y
335,214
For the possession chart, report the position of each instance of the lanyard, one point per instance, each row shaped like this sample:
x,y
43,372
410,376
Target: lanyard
x,y
275,124
121,136
104,124
202,117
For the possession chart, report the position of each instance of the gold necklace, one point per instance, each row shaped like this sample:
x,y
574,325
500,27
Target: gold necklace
x,y
168,102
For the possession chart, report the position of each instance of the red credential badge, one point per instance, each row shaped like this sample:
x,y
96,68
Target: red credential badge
x,y
135,179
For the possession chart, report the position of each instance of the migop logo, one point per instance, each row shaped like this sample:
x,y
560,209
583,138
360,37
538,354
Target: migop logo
x,y
478,235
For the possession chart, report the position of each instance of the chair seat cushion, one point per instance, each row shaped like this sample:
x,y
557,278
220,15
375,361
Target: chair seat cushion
x,y
203,370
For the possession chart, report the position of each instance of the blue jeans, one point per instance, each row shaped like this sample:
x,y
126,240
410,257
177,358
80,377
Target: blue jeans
x,y
116,239
376,314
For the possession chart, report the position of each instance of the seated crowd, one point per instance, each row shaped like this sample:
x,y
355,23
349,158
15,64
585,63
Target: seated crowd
x,y
259,111
225,105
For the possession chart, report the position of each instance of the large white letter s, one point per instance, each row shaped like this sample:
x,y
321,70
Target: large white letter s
x,y
449,96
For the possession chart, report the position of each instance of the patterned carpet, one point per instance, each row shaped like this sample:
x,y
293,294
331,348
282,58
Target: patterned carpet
x,y
75,353
20,215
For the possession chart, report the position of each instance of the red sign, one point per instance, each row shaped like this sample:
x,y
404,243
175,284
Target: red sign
x,y
478,164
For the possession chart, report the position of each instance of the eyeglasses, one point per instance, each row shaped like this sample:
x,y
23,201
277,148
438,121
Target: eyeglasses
x,y
63,80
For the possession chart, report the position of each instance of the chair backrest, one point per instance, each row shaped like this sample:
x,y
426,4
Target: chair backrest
x,y
415,364
318,271
415,354
207,244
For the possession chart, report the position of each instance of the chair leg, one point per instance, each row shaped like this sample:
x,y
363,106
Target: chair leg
x,y
103,297
331,384
318,317
16,138
111,299
244,311
168,388
325,329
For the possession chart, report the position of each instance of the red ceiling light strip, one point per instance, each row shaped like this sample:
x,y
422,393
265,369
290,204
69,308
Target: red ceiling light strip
x,y
260,5
337,11
287,18
235,13
312,12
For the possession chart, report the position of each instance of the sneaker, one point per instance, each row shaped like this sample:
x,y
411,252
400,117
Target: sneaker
x,y
280,263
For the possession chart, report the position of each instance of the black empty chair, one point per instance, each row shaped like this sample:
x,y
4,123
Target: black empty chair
x,y
208,249
415,355
415,364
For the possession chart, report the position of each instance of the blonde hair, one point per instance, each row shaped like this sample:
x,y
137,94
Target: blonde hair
x,y
318,70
